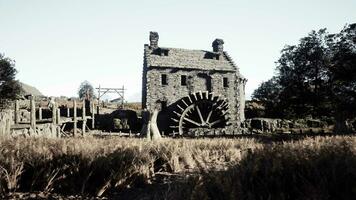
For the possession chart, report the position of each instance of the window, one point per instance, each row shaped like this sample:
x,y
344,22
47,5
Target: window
x,y
225,82
164,53
211,55
164,79
183,80
163,105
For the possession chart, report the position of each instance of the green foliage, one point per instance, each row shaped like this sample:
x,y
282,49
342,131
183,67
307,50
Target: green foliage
x,y
86,91
316,77
9,87
268,93
343,68
303,75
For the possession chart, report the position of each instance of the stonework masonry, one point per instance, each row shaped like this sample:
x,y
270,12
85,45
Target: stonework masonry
x,y
187,72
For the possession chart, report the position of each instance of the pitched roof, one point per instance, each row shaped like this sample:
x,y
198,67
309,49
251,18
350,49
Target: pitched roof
x,y
188,59
29,90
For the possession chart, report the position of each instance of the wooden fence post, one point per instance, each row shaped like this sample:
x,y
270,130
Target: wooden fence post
x,y
33,113
40,113
58,115
17,112
74,118
8,125
54,113
84,118
93,116
98,108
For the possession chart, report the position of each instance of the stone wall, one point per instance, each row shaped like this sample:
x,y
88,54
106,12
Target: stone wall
x,y
47,130
172,92
204,71
269,125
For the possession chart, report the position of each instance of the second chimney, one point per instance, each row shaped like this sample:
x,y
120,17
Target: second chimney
x,y
218,45
154,39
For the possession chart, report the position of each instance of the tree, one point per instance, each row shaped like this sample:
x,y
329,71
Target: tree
x,y
303,73
86,91
317,77
9,87
300,87
268,93
343,76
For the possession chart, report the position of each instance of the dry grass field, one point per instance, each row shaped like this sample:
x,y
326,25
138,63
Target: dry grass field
x,y
320,167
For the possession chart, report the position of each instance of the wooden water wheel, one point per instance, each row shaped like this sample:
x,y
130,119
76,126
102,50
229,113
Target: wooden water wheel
x,y
201,110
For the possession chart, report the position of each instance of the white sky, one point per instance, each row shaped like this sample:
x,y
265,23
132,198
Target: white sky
x,y
59,44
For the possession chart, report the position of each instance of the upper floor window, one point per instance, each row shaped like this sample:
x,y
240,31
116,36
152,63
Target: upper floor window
x,y
225,82
164,79
183,80
211,55
160,51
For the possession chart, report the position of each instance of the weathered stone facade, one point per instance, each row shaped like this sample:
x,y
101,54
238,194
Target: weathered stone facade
x,y
170,74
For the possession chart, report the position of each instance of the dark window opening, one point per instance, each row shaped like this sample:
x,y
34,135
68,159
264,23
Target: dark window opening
x,y
163,105
164,53
160,52
183,80
164,79
211,55
225,82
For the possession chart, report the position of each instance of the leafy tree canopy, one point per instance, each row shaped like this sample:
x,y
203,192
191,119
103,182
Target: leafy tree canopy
x,y
9,87
86,91
316,77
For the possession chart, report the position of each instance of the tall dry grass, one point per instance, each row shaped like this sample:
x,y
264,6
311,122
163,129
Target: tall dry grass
x,y
313,168
243,168
94,166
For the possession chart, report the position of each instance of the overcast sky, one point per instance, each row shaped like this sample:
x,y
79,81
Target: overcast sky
x,y
59,44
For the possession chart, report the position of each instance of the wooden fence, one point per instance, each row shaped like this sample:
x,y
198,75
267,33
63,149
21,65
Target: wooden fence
x,y
5,122
11,120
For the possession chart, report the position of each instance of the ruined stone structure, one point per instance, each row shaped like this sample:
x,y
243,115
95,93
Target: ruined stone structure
x,y
196,91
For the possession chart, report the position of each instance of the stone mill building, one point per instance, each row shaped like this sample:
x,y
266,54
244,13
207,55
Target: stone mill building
x,y
195,91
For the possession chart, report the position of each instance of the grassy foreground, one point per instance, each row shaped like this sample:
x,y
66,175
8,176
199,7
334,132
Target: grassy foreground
x,y
322,167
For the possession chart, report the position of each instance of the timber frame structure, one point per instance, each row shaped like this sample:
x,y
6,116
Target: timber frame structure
x,y
59,119
118,91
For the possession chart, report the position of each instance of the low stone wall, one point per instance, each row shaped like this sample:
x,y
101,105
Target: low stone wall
x,y
48,130
43,130
268,125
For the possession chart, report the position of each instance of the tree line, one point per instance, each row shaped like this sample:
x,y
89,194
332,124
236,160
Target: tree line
x,y
316,77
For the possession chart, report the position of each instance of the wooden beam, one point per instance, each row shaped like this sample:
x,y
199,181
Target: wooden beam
x,y
40,113
59,132
74,118
54,113
58,115
98,100
8,125
83,117
33,113
17,112
92,116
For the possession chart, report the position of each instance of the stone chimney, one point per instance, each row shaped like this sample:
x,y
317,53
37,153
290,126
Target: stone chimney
x,y
218,45
154,39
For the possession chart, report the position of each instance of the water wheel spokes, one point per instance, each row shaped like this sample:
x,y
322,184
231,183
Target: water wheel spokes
x,y
201,110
